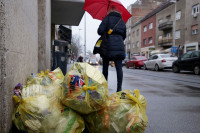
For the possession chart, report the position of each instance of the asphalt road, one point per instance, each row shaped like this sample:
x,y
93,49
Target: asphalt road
x,y
173,99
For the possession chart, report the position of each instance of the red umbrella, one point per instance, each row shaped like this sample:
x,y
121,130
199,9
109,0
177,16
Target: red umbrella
x,y
98,8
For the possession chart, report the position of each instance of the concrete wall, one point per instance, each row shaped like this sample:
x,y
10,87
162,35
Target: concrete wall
x,y
19,51
44,35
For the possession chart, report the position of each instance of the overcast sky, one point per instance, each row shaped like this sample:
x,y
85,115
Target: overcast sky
x,y
91,28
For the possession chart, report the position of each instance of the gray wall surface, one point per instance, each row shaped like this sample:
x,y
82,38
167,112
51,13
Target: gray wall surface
x,y
135,39
44,35
18,51
190,21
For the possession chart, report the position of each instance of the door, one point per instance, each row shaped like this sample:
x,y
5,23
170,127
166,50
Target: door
x,y
148,63
154,60
194,59
185,59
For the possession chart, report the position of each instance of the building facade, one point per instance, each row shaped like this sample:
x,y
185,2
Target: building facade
x,y
138,10
164,28
136,39
148,32
192,26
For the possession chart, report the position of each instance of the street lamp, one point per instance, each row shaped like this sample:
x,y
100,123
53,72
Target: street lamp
x,y
79,40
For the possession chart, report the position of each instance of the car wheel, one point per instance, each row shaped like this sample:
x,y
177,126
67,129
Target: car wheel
x,y
134,66
196,70
176,69
127,66
156,68
145,67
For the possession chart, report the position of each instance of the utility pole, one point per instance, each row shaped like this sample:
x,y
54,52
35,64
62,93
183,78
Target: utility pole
x,y
174,26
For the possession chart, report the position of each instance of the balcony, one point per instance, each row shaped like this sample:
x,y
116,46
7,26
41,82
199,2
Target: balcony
x,y
165,41
166,25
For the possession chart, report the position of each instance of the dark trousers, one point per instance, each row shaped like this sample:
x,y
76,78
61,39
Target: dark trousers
x,y
118,66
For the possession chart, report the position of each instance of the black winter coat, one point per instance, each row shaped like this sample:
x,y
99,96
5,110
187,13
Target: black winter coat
x,y
115,45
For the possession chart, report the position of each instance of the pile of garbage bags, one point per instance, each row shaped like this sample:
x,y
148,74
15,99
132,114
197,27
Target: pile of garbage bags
x,y
50,102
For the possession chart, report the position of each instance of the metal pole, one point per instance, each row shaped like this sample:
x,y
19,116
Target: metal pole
x,y
174,27
85,40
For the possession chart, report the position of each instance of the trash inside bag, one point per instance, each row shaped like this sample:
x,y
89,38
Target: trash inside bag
x,y
46,78
85,89
38,108
125,112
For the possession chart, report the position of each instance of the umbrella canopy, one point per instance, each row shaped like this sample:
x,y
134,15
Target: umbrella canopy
x,y
98,8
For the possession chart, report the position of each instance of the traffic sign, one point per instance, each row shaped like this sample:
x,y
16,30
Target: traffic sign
x,y
174,49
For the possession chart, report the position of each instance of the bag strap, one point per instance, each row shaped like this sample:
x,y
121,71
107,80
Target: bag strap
x,y
117,24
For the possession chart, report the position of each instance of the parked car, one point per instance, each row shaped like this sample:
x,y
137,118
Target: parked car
x,y
159,61
124,62
190,61
136,62
93,61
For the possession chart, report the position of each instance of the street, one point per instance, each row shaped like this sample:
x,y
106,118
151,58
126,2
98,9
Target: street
x,y
173,100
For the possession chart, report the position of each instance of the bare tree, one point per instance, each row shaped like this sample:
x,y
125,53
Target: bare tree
x,y
75,46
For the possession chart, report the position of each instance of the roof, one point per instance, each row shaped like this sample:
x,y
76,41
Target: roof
x,y
152,13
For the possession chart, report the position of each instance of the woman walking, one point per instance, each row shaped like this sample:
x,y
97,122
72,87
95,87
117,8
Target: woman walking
x,y
115,43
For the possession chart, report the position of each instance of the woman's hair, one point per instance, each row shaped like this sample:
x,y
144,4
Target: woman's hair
x,y
112,9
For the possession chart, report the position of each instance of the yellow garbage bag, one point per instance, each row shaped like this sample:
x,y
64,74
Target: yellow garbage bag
x,y
125,112
40,111
46,78
85,89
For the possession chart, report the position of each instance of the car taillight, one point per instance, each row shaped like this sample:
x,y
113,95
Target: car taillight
x,y
163,60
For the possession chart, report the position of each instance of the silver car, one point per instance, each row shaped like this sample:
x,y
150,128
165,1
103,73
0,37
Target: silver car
x,y
159,61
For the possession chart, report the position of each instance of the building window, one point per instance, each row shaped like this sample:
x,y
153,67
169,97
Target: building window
x,y
128,46
137,32
144,42
160,21
133,45
150,25
168,16
168,35
138,43
195,9
133,34
129,38
177,34
195,29
145,28
150,40
178,15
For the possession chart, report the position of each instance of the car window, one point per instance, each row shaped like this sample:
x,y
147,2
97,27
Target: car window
x,y
141,58
133,58
155,57
165,56
150,58
186,55
195,54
